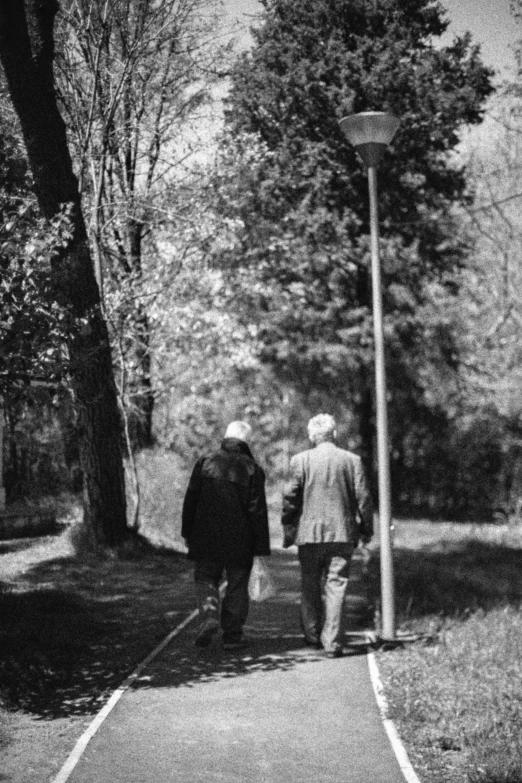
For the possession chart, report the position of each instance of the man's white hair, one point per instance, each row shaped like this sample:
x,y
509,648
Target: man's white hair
x,y
239,429
321,427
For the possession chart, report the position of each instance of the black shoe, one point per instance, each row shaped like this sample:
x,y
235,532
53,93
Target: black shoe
x,y
336,653
313,642
235,644
207,630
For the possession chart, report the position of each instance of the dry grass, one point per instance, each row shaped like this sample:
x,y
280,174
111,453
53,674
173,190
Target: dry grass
x,y
163,479
456,694
70,633
71,630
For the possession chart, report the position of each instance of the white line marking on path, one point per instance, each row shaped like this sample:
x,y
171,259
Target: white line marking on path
x,y
78,750
86,737
398,748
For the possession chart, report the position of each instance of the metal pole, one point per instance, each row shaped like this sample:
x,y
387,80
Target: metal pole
x,y
2,490
385,521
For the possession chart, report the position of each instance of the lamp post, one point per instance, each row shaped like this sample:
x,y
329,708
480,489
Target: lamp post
x,y
2,490
370,133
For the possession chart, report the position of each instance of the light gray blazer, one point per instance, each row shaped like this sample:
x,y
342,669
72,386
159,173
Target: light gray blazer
x,y
327,497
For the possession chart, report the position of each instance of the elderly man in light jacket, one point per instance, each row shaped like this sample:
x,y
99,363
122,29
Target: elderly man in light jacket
x,y
327,510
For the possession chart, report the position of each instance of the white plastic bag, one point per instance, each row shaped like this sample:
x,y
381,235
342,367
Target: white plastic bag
x,y
261,585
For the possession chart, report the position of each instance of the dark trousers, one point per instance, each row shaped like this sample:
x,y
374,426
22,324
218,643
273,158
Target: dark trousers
x,y
234,607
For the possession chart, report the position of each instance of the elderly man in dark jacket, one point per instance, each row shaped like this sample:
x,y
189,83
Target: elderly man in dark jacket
x,y
225,524
327,509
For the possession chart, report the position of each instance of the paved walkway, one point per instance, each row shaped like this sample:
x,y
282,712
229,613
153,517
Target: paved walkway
x,y
277,712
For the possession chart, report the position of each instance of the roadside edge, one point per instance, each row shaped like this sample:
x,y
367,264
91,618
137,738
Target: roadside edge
x,y
393,735
77,752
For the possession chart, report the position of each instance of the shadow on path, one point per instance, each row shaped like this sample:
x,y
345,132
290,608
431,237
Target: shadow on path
x,y
187,667
452,579
273,629
72,631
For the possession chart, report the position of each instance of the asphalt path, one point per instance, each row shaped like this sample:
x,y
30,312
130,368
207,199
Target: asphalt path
x,y
276,712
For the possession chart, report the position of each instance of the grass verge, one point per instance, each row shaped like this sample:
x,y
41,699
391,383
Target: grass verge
x,y
71,630
456,694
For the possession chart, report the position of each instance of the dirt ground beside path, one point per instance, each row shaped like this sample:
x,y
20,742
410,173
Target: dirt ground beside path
x,y
70,633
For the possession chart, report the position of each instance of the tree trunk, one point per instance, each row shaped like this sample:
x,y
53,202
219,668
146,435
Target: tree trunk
x,y
26,52
143,398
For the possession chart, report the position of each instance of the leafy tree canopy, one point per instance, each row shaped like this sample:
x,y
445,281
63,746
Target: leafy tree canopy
x,y
315,62
294,195
33,327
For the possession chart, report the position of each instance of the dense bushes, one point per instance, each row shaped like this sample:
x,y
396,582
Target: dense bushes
x,y
40,447
466,468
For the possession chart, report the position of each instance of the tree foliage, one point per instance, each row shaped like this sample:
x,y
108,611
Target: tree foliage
x,y
134,77
26,52
40,448
301,207
293,194
26,309
492,278
487,315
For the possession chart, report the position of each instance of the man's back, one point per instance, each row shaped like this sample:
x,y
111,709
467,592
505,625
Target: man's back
x,y
224,512
326,494
326,509
225,525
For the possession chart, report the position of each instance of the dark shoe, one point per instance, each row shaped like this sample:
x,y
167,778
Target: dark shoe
x,y
235,644
313,642
337,653
207,630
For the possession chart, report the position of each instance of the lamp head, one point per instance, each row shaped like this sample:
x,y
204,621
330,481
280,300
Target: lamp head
x,y
370,132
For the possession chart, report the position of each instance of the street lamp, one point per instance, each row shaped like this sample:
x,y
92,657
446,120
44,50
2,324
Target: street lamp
x,y
370,132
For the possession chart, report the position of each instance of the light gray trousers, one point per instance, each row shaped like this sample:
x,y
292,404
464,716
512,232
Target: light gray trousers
x,y
324,578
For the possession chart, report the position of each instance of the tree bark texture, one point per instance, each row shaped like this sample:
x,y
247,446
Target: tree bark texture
x,y
143,399
26,53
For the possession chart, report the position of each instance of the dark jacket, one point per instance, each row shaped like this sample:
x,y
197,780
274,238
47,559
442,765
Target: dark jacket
x,y
224,513
327,498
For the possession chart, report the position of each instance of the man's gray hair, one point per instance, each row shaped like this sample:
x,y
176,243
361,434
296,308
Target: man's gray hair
x,y
239,429
321,427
